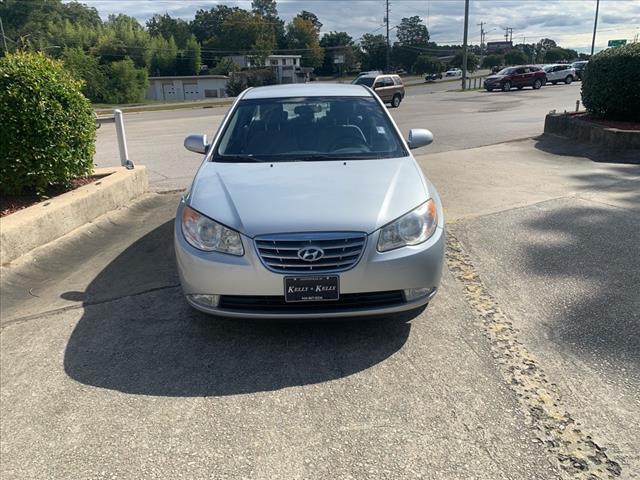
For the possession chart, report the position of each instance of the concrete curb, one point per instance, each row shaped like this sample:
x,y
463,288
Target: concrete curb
x,y
566,125
40,224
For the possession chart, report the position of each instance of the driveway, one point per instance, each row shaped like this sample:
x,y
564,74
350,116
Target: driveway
x,y
525,365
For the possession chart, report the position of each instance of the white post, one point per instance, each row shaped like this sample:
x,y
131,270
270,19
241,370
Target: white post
x,y
122,140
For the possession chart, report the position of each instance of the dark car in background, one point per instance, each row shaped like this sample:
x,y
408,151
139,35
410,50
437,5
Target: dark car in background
x,y
579,68
518,77
432,77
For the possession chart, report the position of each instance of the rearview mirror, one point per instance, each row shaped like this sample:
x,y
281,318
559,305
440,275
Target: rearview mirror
x,y
419,137
196,143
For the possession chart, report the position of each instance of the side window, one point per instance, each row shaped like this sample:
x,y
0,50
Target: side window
x,y
519,71
379,82
397,81
388,82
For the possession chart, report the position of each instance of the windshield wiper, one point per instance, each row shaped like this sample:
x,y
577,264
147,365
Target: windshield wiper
x,y
327,156
240,159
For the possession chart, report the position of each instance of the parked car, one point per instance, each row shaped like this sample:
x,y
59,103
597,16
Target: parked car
x,y
388,87
310,204
453,72
560,73
519,77
579,68
432,77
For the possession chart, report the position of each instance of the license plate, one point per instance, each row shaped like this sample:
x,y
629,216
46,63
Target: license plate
x,y
311,289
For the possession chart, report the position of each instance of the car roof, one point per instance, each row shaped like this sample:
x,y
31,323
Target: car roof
x,y
315,89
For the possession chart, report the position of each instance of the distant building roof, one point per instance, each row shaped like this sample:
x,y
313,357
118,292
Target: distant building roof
x,y
190,77
285,56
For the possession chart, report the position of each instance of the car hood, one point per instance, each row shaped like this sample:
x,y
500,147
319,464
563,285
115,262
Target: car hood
x,y
495,77
261,198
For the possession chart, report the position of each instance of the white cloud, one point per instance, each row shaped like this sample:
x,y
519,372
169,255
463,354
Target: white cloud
x,y
569,22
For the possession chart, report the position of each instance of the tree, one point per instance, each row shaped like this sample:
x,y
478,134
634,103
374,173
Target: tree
x,y
556,54
373,51
265,8
189,59
127,83
207,24
302,35
472,61
413,36
493,60
164,54
166,27
411,31
515,57
317,24
337,43
542,46
427,64
86,67
246,31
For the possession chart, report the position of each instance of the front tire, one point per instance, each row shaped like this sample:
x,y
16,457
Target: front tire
x,y
489,89
537,84
506,86
395,101
568,80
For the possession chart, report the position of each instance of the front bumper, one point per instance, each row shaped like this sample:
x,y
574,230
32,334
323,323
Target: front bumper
x,y
212,273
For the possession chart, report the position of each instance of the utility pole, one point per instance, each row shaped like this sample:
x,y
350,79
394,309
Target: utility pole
x,y
595,26
482,24
4,39
464,45
508,34
388,44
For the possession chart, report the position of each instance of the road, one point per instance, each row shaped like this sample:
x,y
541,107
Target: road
x,y
526,365
458,120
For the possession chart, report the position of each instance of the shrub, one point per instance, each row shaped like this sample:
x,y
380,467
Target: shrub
x,y
48,127
515,57
611,85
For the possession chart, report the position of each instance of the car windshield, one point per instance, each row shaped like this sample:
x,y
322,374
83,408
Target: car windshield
x,y
311,128
368,81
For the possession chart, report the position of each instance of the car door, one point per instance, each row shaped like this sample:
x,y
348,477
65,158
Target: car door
x,y
385,90
518,79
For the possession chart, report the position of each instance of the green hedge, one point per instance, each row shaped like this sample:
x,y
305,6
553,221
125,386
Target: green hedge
x,y
611,83
48,126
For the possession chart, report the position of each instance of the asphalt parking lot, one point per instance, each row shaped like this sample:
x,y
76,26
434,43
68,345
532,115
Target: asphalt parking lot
x,y
526,364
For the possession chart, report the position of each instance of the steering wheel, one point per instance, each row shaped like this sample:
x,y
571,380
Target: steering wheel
x,y
349,142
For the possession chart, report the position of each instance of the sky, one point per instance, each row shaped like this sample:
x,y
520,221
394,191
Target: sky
x,y
569,22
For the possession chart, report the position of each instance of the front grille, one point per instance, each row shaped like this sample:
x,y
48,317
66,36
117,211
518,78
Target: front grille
x,y
342,251
277,304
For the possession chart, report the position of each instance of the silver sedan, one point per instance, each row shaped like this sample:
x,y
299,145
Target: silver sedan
x,y
309,204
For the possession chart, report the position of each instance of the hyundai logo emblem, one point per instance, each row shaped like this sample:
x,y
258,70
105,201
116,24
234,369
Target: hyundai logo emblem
x,y
310,254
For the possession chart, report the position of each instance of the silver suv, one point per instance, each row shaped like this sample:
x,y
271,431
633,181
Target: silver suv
x,y
560,73
389,88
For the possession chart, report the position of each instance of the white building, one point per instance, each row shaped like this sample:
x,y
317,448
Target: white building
x,y
286,68
179,88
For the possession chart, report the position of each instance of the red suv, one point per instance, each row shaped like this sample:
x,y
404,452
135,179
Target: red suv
x,y
519,77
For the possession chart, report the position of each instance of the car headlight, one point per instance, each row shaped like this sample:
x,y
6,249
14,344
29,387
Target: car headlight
x,y
205,234
412,228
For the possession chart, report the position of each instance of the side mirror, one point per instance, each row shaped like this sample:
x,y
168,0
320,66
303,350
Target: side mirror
x,y
419,137
196,143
